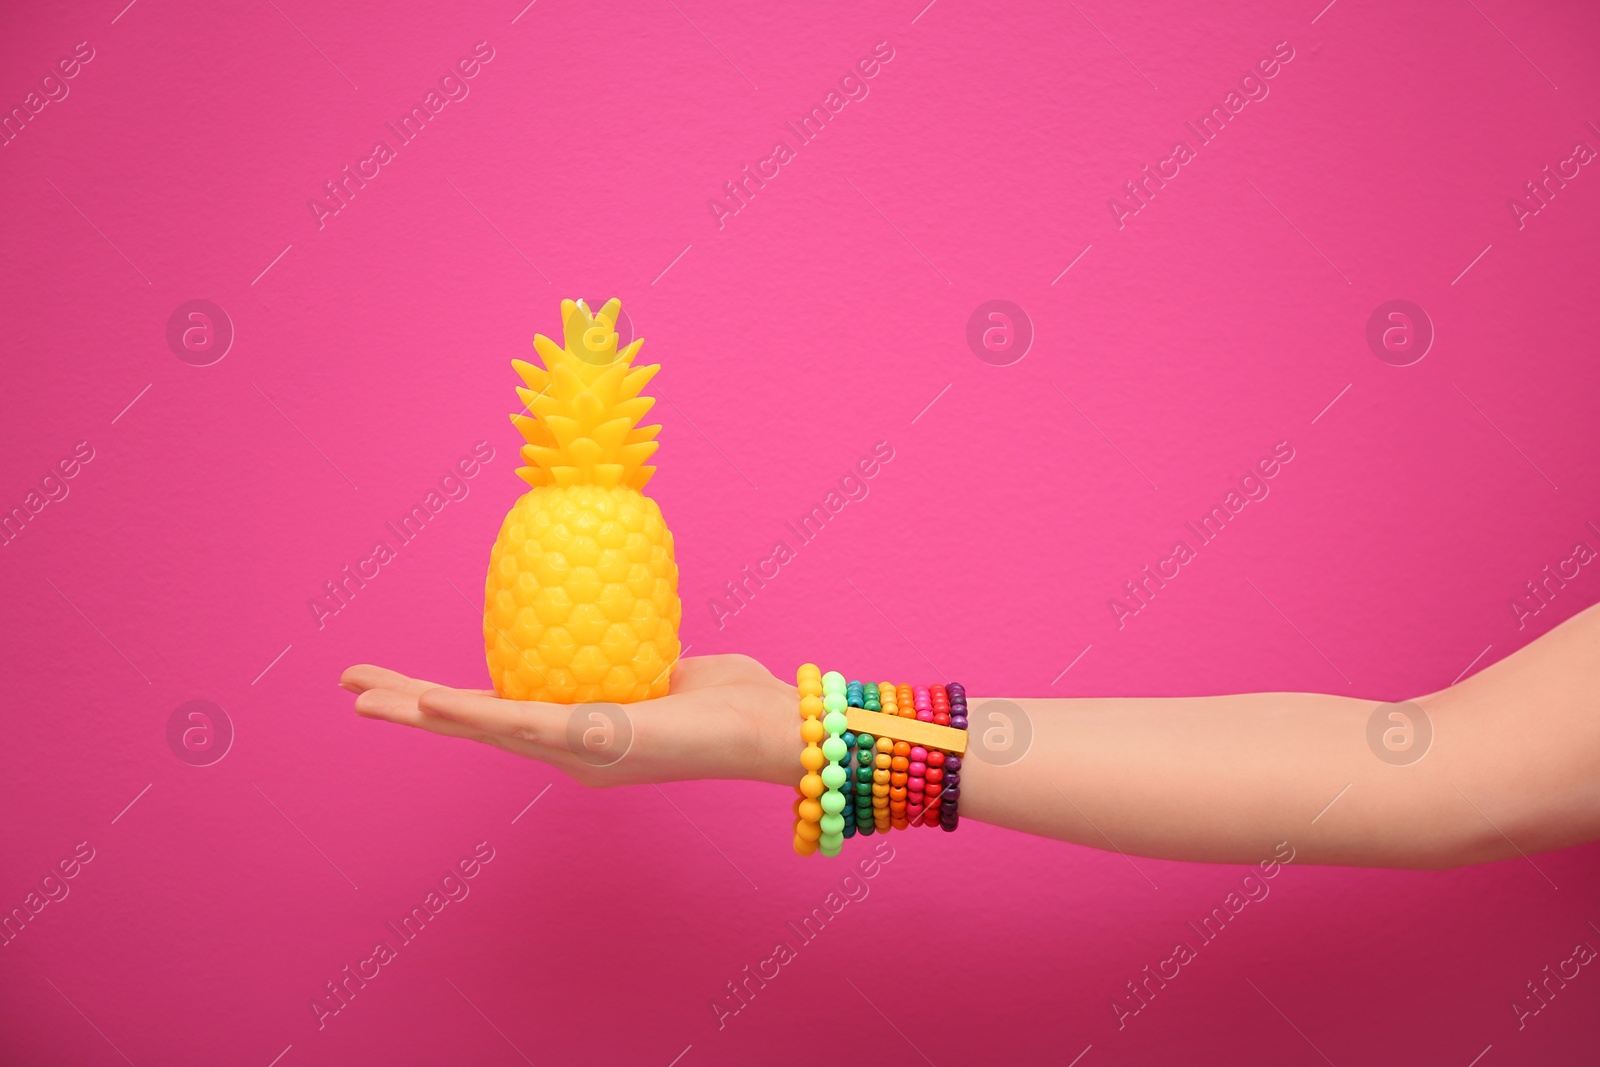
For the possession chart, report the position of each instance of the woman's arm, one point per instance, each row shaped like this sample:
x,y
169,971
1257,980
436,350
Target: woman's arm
x,y
1513,765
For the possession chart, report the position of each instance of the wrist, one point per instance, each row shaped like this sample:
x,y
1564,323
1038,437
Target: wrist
x,y
778,760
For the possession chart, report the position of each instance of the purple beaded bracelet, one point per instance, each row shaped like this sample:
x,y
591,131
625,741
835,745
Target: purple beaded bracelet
x,y
950,794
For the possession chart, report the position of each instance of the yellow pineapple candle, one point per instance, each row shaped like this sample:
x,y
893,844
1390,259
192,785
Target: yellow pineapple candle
x,y
581,602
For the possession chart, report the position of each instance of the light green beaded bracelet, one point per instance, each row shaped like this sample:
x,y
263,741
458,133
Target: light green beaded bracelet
x,y
833,775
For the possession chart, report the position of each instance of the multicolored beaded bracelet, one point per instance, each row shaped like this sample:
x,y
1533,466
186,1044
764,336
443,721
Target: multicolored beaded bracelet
x,y
876,758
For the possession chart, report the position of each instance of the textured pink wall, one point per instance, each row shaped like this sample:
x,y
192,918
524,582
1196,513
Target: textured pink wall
x,y
369,355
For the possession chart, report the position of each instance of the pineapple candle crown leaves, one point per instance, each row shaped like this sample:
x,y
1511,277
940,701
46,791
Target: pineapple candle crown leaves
x,y
581,409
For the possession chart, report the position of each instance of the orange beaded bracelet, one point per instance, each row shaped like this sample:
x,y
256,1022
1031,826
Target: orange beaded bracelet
x,y
807,808
880,784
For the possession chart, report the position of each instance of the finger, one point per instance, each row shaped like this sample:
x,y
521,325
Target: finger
x,y
364,676
397,707
393,706
700,672
523,720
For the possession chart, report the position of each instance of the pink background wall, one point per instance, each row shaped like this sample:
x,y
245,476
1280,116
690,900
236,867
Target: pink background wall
x,y
371,353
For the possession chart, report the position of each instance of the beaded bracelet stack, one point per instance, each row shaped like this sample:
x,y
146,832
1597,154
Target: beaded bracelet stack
x,y
876,758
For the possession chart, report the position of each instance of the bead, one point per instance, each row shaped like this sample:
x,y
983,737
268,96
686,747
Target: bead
x,y
897,794
811,758
916,768
863,789
810,687
835,723
849,738
898,779
832,803
933,774
902,748
808,830
952,763
881,775
952,794
918,753
809,670
882,761
865,741
833,701
809,810
833,679
930,791
899,763
833,777
936,758
863,772
880,789
812,731
834,748
885,745
849,830
832,824
958,721
811,707
804,847
811,785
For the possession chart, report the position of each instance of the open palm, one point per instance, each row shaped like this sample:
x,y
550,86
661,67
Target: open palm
x,y
725,717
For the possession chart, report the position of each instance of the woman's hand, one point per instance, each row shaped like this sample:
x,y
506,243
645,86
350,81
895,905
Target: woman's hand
x,y
725,717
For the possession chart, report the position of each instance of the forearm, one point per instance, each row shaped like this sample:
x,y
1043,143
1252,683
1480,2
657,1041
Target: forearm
x,y
1220,779
1513,768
